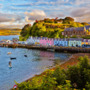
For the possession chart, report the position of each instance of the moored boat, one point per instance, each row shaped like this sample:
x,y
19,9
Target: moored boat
x,y
9,53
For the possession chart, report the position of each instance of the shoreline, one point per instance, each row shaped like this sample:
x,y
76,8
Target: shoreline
x,y
73,60
49,48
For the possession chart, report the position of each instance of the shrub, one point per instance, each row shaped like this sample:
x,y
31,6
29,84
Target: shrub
x,y
79,75
60,76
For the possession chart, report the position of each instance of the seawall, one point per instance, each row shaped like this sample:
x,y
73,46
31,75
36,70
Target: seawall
x,y
49,48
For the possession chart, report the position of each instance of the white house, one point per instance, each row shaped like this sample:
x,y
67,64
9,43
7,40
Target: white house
x,y
9,42
33,40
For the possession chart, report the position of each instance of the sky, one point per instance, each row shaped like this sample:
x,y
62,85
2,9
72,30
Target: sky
x,y
17,13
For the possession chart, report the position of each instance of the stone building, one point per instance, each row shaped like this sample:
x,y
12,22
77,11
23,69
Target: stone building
x,y
80,31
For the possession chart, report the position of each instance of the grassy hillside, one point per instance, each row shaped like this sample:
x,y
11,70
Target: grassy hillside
x,y
10,32
51,28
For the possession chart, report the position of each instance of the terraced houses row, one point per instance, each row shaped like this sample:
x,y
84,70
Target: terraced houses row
x,y
71,42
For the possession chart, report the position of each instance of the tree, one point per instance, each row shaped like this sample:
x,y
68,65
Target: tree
x,y
84,23
69,19
25,30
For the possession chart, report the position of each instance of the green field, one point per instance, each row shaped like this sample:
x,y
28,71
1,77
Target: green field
x,y
10,32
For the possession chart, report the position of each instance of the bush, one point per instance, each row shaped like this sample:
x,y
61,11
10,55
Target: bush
x,y
79,75
60,76
49,82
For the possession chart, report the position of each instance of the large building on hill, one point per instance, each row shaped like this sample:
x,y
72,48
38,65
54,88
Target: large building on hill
x,y
80,31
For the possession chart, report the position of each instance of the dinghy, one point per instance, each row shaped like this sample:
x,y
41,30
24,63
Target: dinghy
x,y
9,53
25,55
13,58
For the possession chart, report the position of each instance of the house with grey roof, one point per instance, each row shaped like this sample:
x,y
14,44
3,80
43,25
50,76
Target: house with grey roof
x,y
80,31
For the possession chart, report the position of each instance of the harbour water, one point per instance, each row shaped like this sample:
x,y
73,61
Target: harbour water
x,y
25,67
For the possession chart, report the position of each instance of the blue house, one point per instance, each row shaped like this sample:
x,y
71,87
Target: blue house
x,y
61,42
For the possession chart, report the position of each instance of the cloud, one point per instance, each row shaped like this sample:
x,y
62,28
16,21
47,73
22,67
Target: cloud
x,y
28,11
9,17
35,15
80,2
81,14
55,14
0,5
43,2
11,26
10,20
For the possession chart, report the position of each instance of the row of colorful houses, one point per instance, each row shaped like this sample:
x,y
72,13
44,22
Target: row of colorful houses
x,y
44,41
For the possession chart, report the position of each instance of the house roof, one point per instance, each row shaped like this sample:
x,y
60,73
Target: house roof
x,y
75,39
78,29
86,40
64,39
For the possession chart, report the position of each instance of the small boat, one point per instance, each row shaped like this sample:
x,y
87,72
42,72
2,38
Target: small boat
x,y
25,55
10,65
13,58
9,53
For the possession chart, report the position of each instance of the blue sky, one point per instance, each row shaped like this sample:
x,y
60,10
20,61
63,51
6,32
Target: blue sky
x,y
17,13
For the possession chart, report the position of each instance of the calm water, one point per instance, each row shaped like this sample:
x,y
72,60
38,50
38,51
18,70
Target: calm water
x,y
8,37
25,67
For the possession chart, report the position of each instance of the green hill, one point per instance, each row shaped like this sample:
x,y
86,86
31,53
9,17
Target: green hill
x,y
51,28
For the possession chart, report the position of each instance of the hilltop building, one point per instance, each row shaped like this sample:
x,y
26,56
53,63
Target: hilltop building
x,y
80,31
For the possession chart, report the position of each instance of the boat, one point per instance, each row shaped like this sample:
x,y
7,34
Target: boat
x,y
25,55
10,65
9,53
13,58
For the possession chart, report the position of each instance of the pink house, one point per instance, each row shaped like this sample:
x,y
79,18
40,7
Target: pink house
x,y
46,41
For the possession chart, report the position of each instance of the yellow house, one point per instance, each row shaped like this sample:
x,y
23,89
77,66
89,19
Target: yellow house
x,y
86,41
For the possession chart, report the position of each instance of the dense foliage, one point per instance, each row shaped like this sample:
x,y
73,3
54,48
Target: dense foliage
x,y
74,78
51,28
